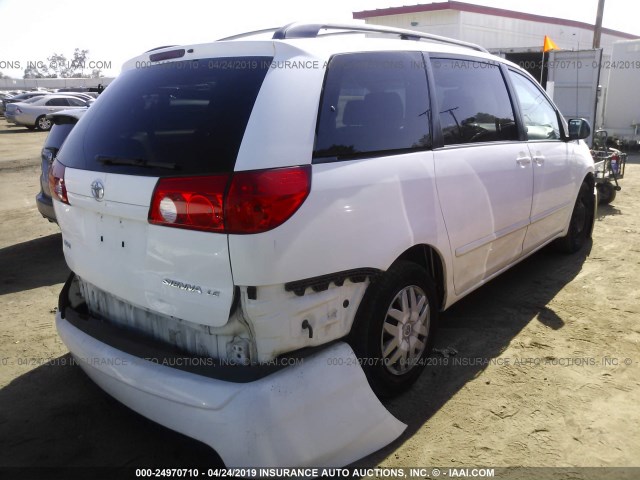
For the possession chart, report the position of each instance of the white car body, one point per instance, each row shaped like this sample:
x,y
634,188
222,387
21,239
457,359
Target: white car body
x,y
477,209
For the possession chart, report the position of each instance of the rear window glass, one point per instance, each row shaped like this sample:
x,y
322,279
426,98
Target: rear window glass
x,y
373,103
57,135
169,119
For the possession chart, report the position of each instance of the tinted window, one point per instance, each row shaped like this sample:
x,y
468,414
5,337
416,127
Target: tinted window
x,y
373,102
76,102
57,135
473,102
538,114
57,102
174,118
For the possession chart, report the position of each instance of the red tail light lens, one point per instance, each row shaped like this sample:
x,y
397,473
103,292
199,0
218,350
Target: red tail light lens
x,y
242,203
262,200
189,202
56,182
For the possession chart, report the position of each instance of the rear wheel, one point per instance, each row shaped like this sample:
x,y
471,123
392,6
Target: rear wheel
x,y
581,221
394,326
43,123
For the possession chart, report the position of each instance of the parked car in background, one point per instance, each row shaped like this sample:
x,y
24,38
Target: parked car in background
x,y
81,95
20,98
34,114
3,95
62,123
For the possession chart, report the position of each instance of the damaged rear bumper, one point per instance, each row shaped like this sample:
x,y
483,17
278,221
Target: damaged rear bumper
x,y
319,412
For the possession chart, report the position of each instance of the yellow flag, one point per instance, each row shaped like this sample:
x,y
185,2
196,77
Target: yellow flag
x,y
549,45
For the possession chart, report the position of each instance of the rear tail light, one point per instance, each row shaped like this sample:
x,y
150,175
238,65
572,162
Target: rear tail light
x,y
189,202
240,203
56,182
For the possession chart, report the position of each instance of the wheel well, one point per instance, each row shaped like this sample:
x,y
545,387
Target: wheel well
x,y
429,259
590,180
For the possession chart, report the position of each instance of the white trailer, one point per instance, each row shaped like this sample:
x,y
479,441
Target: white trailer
x,y
622,107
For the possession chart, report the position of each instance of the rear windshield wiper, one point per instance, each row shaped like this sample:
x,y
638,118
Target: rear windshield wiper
x,y
134,162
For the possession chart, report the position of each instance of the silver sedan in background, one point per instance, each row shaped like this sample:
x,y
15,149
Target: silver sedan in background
x,y
33,113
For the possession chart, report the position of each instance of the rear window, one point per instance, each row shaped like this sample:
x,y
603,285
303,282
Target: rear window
x,y
169,119
57,135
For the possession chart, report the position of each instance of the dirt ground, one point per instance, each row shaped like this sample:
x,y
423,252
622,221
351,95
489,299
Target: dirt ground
x,y
539,368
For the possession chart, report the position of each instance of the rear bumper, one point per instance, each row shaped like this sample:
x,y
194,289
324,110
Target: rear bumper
x,y
320,412
45,207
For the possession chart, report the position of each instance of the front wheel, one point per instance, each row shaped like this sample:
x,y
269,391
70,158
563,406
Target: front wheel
x,y
394,326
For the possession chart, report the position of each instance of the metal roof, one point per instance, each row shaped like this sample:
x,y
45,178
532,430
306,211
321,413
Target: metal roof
x,y
497,12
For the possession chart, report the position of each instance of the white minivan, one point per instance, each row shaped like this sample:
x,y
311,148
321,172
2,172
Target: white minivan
x,y
262,231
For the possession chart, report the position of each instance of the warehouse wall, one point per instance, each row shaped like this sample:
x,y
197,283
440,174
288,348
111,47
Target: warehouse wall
x,y
494,32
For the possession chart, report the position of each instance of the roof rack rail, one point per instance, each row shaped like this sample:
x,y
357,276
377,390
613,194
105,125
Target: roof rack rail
x,y
249,34
312,30
159,48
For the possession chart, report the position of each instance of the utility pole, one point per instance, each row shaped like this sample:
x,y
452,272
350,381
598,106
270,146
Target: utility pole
x,y
597,31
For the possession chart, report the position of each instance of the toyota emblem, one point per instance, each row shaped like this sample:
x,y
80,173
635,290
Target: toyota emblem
x,y
97,190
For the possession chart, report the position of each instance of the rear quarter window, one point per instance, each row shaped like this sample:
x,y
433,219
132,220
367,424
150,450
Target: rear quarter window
x,y
373,103
185,117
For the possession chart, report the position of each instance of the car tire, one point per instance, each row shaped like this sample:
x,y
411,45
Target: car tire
x,y
581,223
606,193
43,123
394,327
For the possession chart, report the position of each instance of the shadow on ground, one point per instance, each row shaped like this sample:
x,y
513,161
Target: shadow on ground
x,y
33,264
55,416
16,129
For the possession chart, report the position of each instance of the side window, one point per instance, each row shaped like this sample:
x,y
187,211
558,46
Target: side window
x,y
473,102
538,114
373,102
76,102
58,102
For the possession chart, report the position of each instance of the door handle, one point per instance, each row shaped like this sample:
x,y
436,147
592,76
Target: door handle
x,y
523,161
539,160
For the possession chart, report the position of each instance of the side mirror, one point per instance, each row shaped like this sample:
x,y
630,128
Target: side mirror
x,y
579,128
